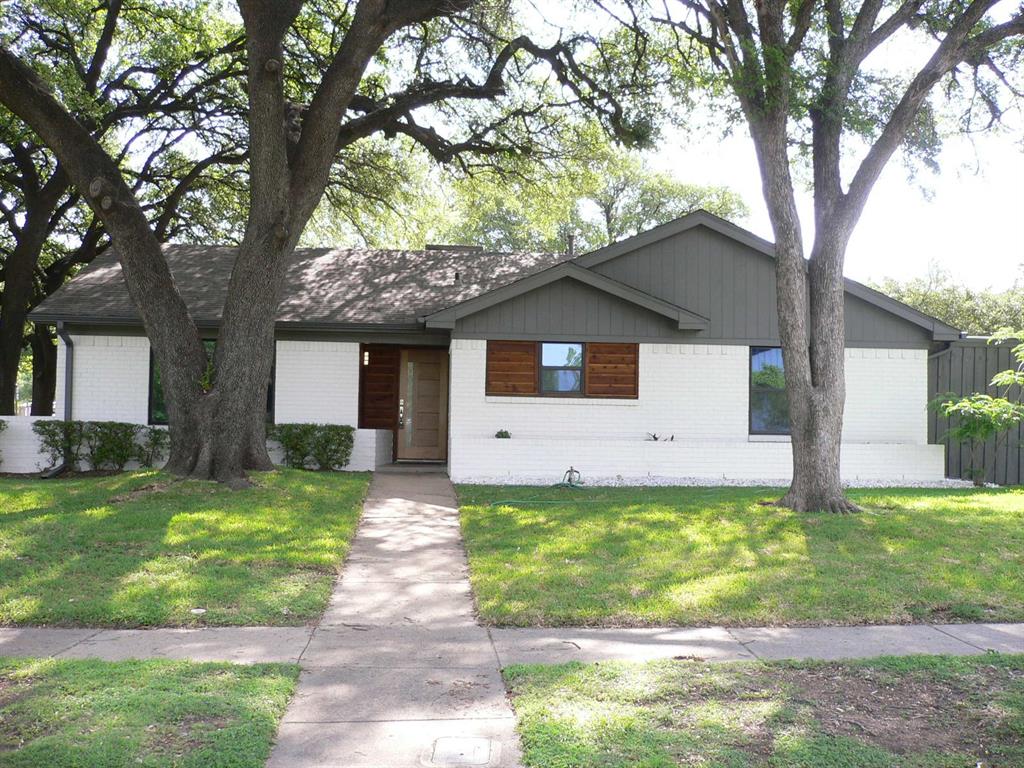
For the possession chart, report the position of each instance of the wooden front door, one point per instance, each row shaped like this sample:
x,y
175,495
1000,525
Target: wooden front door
x,y
423,405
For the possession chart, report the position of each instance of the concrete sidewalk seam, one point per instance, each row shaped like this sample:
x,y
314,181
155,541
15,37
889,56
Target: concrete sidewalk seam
x,y
743,645
938,628
74,645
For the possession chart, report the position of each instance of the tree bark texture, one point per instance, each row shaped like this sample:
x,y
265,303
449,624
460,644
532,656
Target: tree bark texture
x,y
44,370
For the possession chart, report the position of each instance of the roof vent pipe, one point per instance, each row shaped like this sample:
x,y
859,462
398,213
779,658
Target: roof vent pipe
x,y
445,247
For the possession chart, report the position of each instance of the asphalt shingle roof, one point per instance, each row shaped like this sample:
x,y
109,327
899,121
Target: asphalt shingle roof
x,y
322,285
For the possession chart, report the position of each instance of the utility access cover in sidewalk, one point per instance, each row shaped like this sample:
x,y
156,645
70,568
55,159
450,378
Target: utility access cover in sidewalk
x,y
455,751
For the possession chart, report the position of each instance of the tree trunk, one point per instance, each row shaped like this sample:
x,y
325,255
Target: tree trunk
x,y
10,356
816,432
44,370
817,401
13,310
810,297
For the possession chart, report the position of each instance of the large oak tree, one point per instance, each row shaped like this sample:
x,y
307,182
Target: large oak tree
x,y
844,85
379,64
141,79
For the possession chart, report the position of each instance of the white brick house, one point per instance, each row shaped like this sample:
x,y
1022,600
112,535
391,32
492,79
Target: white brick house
x,y
429,354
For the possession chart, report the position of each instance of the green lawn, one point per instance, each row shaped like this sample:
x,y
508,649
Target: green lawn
x,y
71,714
916,712
140,550
690,556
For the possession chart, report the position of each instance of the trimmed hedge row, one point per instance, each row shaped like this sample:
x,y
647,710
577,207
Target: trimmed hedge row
x,y
113,444
324,446
103,444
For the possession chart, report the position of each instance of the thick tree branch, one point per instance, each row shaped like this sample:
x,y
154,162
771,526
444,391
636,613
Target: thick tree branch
x,y
169,207
955,46
99,57
146,272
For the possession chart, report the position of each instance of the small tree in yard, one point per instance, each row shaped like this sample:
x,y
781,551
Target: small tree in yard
x,y
319,77
809,79
981,417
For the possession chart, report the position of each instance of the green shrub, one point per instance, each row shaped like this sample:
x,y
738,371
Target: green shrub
x,y
296,441
331,446
103,444
3,426
109,444
151,445
325,446
61,441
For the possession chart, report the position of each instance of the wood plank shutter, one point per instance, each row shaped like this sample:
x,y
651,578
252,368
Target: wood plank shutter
x,y
378,387
511,368
611,370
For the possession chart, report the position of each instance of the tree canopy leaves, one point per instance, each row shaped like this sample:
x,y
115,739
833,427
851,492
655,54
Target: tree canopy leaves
x,y
977,312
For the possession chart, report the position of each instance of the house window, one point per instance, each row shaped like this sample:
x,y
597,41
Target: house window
x,y
769,410
158,405
561,369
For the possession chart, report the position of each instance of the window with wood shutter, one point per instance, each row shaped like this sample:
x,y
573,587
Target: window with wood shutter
x,y
606,370
378,386
611,370
511,368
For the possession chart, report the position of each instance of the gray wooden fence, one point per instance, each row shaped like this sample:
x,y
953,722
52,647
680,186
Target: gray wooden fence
x,y
966,367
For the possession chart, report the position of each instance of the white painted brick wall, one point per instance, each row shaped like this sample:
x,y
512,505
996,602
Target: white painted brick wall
x,y
886,396
699,394
111,379
691,391
530,460
19,446
318,382
315,382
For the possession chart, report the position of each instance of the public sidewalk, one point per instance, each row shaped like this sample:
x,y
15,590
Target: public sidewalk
x,y
251,645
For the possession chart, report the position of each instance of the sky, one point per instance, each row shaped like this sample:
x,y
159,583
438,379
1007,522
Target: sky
x,y
970,222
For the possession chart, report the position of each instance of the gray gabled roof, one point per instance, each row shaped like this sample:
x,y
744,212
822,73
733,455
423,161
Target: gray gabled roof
x,y
940,331
323,287
403,289
684,318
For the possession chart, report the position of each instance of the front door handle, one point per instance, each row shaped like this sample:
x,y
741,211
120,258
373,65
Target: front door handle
x,y
401,413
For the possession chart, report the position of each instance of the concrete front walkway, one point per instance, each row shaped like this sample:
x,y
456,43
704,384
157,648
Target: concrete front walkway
x,y
398,673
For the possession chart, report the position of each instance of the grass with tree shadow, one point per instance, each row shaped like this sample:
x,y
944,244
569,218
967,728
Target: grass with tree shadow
x,y
144,549
911,712
699,556
149,713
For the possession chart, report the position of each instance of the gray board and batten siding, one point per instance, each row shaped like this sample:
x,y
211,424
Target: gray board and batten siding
x,y
964,368
709,273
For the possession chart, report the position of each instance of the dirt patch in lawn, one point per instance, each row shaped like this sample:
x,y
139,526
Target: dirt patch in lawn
x,y
11,691
16,729
905,713
144,490
189,734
